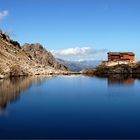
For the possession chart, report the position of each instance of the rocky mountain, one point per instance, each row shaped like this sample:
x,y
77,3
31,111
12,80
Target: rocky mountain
x,y
29,60
79,65
41,56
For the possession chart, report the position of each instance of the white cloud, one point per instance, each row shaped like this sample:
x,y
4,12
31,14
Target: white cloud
x,y
79,53
3,14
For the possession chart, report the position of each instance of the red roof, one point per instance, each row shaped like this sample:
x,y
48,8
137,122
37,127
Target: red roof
x,y
120,53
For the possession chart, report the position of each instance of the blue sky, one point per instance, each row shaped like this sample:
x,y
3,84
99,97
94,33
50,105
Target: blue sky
x,y
74,29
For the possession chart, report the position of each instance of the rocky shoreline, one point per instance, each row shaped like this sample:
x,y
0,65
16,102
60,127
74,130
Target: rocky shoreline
x,y
117,69
46,73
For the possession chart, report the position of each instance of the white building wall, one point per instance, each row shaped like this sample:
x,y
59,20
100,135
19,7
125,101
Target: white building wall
x,y
113,63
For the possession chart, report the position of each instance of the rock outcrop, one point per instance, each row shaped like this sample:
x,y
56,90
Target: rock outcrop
x,y
136,68
42,56
117,69
29,60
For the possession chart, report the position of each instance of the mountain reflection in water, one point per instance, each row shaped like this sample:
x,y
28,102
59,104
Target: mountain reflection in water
x,y
70,107
10,89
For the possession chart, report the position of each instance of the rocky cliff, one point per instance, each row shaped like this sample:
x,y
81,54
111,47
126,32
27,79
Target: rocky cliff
x,y
29,60
41,56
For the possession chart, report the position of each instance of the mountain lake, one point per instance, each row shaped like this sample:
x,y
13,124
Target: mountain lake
x,y
70,107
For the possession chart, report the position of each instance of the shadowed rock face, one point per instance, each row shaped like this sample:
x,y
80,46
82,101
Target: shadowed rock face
x,y
42,56
6,37
117,69
11,88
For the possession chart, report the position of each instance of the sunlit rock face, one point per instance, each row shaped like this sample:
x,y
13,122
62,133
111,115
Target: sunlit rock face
x,y
29,60
42,56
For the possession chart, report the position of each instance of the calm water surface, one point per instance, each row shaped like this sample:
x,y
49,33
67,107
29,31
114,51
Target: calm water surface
x,y
70,107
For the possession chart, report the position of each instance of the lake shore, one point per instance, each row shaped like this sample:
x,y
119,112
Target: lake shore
x,y
46,73
117,69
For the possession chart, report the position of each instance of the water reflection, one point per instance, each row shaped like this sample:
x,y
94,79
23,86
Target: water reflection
x,y
11,88
70,107
120,79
